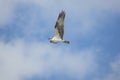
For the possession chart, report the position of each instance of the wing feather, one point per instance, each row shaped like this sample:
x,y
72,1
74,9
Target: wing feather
x,y
59,26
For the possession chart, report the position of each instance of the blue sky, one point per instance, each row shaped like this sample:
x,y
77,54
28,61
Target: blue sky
x,y
91,26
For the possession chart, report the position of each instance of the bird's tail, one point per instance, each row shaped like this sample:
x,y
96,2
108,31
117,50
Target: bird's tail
x,y
67,42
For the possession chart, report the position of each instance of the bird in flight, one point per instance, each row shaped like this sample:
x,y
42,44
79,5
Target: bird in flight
x,y
59,30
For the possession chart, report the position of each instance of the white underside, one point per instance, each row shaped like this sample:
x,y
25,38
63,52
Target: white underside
x,y
56,39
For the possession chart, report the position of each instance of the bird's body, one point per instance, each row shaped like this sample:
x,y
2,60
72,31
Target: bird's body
x,y
59,30
56,40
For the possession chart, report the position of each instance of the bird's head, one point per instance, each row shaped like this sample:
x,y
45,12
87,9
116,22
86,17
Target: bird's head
x,y
49,38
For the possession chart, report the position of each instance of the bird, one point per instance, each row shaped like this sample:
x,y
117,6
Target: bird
x,y
59,30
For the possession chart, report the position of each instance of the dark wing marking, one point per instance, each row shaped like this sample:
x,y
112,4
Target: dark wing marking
x,y
59,26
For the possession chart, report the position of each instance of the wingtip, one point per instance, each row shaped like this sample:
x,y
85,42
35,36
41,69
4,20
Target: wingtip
x,y
68,42
63,12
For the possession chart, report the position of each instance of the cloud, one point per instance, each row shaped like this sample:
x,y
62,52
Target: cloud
x,y
19,59
114,73
6,11
34,18
81,15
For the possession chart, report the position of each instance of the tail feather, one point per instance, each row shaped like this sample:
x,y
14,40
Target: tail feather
x,y
67,42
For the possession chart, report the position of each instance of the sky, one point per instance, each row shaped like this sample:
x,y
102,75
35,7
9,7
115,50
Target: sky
x,y
91,26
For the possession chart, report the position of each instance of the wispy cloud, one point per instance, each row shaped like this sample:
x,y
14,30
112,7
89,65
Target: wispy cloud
x,y
19,59
79,12
26,24
114,72
6,11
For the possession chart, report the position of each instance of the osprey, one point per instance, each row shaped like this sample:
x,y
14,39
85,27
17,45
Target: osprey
x,y
59,30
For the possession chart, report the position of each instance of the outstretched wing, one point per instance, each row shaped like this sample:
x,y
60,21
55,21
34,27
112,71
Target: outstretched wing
x,y
59,26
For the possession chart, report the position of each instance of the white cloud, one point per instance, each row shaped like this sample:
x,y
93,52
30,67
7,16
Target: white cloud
x,y
18,59
115,70
79,17
6,11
